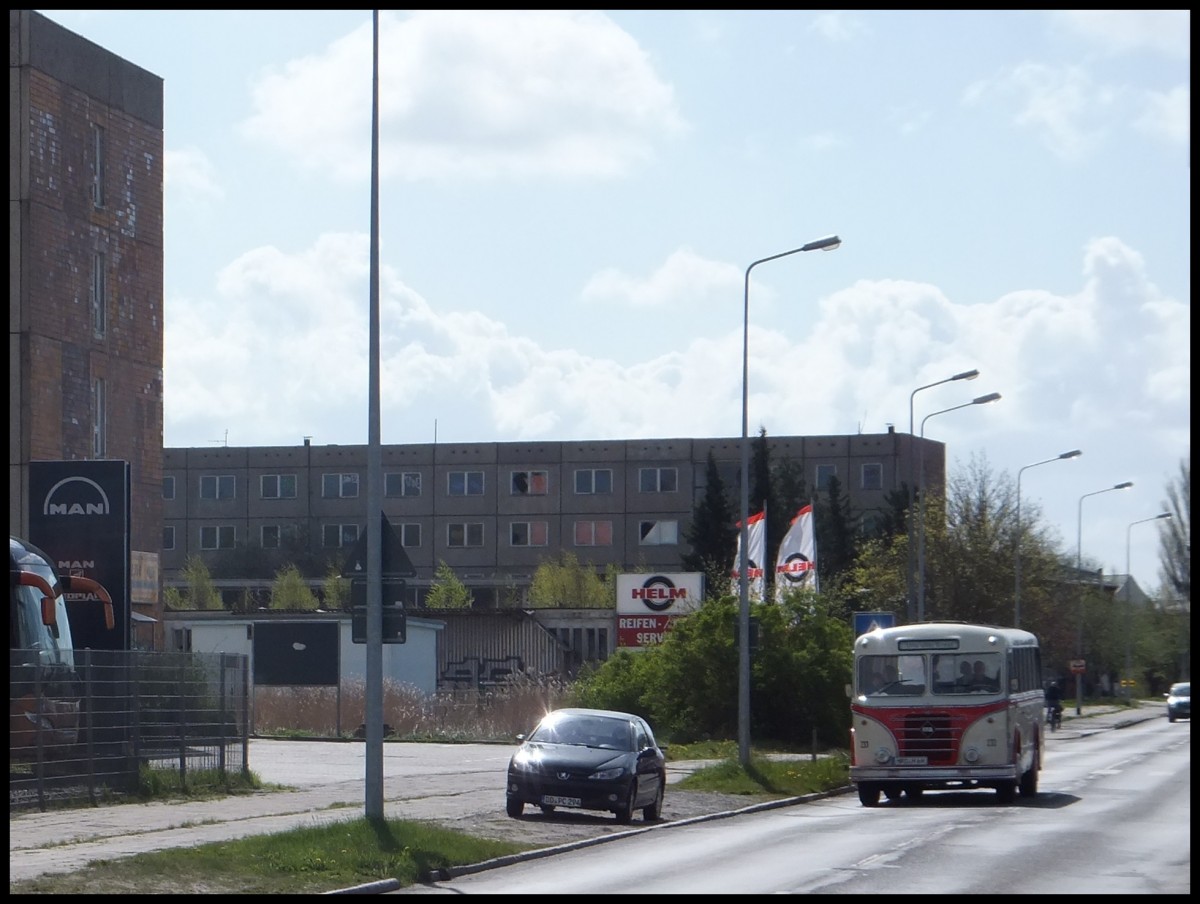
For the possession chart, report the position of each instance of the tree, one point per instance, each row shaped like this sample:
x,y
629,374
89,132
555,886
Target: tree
x,y
200,592
566,582
291,592
447,591
336,589
1175,536
712,533
833,524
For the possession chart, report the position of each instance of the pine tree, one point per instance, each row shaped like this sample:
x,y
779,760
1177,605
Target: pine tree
x,y
712,533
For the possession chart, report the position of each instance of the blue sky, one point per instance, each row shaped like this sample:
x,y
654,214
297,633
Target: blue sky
x,y
569,202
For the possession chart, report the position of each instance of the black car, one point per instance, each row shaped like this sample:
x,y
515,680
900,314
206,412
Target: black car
x,y
589,759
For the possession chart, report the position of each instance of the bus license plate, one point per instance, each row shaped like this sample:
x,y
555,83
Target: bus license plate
x,y
912,761
554,801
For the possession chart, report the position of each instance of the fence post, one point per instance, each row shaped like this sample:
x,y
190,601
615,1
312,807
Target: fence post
x,y
221,735
182,727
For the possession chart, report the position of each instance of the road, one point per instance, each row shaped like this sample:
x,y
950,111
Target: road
x,y
1113,816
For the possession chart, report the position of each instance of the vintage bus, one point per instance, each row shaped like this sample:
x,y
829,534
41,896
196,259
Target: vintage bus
x,y
946,705
44,687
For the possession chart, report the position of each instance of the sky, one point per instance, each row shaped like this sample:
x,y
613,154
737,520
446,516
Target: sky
x,y
570,202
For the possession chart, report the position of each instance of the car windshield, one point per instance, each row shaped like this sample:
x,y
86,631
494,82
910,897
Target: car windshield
x,y
1180,690
584,730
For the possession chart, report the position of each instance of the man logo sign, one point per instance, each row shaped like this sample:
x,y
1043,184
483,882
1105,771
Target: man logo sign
x,y
647,605
76,496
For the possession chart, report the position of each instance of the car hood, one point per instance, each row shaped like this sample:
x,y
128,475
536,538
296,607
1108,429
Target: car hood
x,y
571,756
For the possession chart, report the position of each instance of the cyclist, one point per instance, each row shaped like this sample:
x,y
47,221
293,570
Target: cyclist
x,y
1054,707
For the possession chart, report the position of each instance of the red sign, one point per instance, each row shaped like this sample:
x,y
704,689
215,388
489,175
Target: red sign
x,y
1078,666
642,630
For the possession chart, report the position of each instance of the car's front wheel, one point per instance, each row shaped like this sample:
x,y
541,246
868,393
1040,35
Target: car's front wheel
x,y
624,811
514,807
653,812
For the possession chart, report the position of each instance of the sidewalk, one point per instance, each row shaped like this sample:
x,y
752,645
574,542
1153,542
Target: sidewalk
x,y
422,781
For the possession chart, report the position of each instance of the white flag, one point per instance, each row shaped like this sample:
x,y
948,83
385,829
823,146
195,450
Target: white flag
x,y
756,555
796,564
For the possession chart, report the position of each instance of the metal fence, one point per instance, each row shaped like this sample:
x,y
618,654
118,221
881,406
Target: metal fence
x,y
79,737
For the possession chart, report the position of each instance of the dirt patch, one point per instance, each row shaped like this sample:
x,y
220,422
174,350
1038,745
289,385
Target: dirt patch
x,y
565,826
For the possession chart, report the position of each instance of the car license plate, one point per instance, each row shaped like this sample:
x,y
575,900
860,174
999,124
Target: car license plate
x,y
912,761
554,801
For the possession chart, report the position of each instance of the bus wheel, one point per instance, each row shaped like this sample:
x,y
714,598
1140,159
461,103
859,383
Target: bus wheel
x,y
1029,780
868,794
1006,792
913,793
891,793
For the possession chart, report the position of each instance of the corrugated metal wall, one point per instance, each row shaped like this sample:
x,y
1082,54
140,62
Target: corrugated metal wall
x,y
480,649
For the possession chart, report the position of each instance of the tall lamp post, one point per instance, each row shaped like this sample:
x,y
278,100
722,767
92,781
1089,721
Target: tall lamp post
x,y
829,243
1074,453
981,400
965,375
1128,601
1078,573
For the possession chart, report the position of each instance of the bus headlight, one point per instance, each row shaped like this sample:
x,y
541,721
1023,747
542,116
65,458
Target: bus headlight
x,y
883,756
971,754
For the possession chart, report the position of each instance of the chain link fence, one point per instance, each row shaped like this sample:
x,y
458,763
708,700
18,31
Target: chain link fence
x,y
85,735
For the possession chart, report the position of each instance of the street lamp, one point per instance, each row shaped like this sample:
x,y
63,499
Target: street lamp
x,y
1074,453
965,375
1128,602
1078,572
981,400
829,243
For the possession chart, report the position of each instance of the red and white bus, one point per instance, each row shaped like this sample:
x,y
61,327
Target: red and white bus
x,y
946,705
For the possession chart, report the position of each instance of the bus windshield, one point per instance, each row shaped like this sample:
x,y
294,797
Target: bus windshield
x,y
907,674
53,647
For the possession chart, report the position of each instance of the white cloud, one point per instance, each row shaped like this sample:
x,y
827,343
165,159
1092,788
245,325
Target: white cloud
x,y
472,94
685,279
1060,104
1165,31
190,175
837,27
1169,115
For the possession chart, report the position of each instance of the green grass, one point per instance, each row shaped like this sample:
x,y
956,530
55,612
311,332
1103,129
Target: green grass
x,y
301,861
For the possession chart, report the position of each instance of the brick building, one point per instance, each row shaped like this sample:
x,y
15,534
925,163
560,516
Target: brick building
x,y
85,271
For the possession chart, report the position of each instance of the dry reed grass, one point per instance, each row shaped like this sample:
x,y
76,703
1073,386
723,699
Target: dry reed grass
x,y
493,714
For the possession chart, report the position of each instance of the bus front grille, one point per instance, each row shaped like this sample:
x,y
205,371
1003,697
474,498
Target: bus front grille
x,y
930,735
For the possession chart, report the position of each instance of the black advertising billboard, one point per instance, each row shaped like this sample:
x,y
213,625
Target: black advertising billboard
x,y
79,516
303,654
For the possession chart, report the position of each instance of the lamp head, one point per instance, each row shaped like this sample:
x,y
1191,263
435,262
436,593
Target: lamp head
x,y
829,243
1123,486
1074,453
966,375
984,399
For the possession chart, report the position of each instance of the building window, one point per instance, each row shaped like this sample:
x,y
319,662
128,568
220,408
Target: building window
x,y
658,480
464,483
658,533
99,419
464,533
529,483
219,537
168,538
99,295
339,486
824,474
335,536
217,486
168,487
593,480
593,533
407,483
278,486
269,536
872,476
529,533
410,535
97,186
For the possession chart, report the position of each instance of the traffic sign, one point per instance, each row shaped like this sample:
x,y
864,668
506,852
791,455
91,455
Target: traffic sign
x,y
869,621
1078,666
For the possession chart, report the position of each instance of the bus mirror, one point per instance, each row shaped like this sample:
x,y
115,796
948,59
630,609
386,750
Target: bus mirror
x,y
849,691
49,616
75,583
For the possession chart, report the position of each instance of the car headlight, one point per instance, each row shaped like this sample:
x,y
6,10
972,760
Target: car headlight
x,y
604,775
523,761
